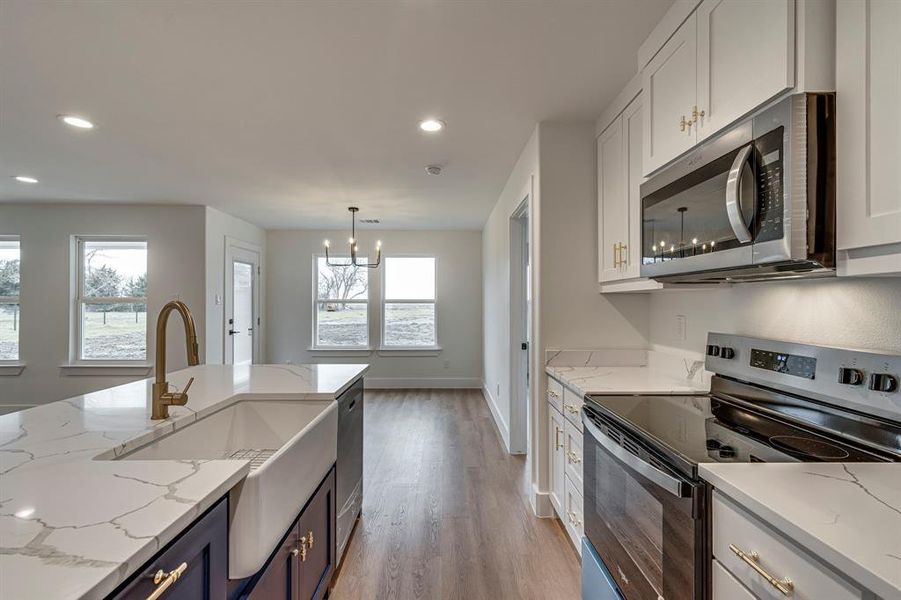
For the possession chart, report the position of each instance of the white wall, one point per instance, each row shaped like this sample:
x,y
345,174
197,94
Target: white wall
x,y
496,281
220,228
175,267
289,260
855,313
568,311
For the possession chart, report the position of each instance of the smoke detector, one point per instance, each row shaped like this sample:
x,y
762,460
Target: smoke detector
x,y
433,170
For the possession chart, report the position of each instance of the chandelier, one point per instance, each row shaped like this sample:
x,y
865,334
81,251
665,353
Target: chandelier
x,y
353,246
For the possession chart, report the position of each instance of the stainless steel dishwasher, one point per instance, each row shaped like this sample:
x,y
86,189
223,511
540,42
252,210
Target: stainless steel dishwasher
x,y
349,469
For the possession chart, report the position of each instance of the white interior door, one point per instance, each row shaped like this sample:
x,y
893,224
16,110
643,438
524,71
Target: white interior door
x,y
242,318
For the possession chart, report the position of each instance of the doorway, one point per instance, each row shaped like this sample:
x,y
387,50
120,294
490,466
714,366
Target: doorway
x,y
242,304
520,327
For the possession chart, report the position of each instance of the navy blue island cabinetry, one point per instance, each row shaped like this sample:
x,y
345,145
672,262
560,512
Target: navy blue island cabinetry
x,y
193,566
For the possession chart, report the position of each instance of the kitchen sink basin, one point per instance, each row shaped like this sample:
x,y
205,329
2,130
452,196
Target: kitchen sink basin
x,y
291,445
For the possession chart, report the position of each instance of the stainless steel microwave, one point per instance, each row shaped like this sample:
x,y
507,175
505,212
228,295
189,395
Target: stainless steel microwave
x,y
755,202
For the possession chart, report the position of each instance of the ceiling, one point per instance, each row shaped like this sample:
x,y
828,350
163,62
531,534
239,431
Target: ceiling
x,y
285,113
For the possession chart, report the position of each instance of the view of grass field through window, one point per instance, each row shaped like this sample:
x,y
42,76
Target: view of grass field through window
x,y
112,304
9,298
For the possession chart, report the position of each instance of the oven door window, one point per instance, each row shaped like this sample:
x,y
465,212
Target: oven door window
x,y
644,534
690,217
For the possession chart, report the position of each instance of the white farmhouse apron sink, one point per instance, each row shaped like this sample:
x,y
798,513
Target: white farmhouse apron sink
x,y
291,446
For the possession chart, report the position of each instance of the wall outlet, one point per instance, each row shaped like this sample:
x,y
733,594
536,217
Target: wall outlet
x,y
681,327
218,299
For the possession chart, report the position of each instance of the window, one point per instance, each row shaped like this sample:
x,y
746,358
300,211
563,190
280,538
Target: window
x,y
341,312
111,299
409,307
9,298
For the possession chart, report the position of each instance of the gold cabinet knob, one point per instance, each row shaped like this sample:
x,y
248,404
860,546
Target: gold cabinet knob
x,y
295,552
695,114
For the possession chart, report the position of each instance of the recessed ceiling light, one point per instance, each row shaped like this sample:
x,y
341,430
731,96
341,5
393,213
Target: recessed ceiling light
x,y
431,125
25,179
76,121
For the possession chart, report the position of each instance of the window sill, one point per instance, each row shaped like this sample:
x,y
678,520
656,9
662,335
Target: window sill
x,y
415,351
101,369
340,351
11,369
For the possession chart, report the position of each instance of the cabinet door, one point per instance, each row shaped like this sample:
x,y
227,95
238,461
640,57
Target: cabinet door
x,y
280,579
195,565
868,148
632,134
613,212
316,528
746,55
557,431
670,92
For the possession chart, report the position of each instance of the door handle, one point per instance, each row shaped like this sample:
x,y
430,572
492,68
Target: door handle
x,y
733,195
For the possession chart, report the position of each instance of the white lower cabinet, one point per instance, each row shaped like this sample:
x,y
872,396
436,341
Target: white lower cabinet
x,y
573,514
769,565
557,457
727,587
573,446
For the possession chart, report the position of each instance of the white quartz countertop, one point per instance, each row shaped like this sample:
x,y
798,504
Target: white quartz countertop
x,y
72,526
626,380
847,514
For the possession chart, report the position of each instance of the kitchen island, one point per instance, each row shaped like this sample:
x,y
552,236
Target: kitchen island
x,y
75,522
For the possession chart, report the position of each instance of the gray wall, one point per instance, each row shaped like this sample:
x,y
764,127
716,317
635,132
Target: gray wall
x,y
175,268
289,305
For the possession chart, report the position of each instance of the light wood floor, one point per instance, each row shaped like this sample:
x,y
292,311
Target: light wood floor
x,y
444,510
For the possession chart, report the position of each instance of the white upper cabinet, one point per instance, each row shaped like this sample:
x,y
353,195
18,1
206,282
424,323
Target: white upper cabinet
x,y
669,85
868,136
613,208
725,60
745,57
619,203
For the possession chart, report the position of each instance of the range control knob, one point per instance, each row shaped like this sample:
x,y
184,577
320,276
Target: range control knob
x,y
727,452
713,350
849,376
883,382
727,353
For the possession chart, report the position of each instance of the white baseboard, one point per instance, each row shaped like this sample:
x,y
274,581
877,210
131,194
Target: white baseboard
x,y
502,428
541,504
402,383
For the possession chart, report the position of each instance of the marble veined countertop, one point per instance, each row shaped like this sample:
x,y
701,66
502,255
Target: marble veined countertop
x,y
75,527
848,514
627,371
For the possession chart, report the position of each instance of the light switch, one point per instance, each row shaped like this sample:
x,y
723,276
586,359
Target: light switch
x,y
218,299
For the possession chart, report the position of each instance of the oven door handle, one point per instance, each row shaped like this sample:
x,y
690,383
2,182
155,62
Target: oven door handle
x,y
674,486
733,195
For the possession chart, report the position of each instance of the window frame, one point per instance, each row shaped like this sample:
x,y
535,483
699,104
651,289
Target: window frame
x,y
315,345
17,300
79,300
384,301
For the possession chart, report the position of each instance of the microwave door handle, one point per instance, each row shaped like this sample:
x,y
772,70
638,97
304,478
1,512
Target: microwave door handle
x,y
733,196
664,480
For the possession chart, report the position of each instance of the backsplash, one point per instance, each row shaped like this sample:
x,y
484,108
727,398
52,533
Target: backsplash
x,y
853,313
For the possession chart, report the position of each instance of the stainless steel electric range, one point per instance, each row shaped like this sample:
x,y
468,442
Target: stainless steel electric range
x,y
646,508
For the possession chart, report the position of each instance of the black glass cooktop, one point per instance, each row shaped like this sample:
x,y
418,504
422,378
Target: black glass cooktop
x,y
695,429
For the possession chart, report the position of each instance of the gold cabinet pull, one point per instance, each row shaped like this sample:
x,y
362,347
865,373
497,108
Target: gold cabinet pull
x,y
552,394
695,114
622,254
303,549
573,458
752,559
310,537
683,123
572,409
557,441
164,580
